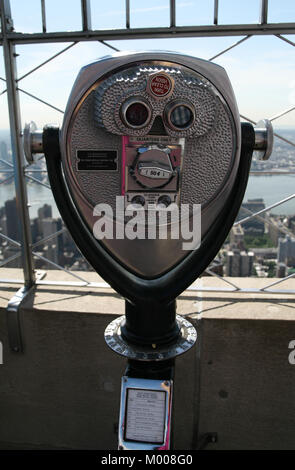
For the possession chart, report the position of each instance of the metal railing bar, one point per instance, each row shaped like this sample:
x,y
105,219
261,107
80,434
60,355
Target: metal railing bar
x,y
37,181
16,143
127,13
34,171
263,11
284,139
172,14
11,281
11,258
248,119
230,47
41,101
285,39
10,240
271,172
109,45
268,222
43,13
278,282
7,163
47,61
49,237
5,171
7,179
282,201
162,32
236,288
249,290
215,18
86,15
58,266
36,160
104,285
276,116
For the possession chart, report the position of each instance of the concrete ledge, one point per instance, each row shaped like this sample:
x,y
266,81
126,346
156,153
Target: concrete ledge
x,y
63,392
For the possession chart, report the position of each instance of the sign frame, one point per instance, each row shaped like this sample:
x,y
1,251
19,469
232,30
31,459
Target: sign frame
x,y
163,386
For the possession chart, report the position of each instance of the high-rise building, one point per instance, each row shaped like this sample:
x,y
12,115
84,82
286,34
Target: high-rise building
x,y
239,263
253,226
281,270
12,224
286,251
275,229
236,237
3,151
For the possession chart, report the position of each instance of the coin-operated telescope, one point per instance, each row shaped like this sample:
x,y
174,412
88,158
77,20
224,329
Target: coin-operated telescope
x,y
148,172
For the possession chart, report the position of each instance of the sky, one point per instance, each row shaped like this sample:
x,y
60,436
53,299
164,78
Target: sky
x,y
261,69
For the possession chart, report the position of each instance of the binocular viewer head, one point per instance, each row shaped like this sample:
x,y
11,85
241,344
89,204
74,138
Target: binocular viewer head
x,y
149,169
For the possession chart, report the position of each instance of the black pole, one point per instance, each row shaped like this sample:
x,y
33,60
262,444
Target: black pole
x,y
150,323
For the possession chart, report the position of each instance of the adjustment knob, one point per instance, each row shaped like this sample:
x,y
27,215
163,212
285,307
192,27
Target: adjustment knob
x,y
164,200
139,200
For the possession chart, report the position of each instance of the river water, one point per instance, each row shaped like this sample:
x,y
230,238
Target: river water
x,y
271,188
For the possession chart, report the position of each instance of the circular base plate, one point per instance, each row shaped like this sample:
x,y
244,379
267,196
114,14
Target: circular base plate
x,y
184,342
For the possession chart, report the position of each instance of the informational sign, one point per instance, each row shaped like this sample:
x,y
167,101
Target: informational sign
x,y
145,415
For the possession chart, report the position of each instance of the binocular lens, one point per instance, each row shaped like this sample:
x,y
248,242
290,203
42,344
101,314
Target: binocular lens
x,y
181,117
137,114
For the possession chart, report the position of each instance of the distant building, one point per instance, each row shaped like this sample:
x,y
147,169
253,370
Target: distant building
x,y
45,211
265,253
291,224
281,270
286,251
3,152
236,237
254,226
49,227
239,263
12,224
275,229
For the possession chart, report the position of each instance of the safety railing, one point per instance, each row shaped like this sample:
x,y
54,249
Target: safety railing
x,y
22,173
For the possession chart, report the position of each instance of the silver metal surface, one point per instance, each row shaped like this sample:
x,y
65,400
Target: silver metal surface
x,y
100,90
215,19
13,320
125,106
158,32
263,11
86,15
165,386
172,106
172,14
116,342
264,139
32,140
127,7
43,13
16,143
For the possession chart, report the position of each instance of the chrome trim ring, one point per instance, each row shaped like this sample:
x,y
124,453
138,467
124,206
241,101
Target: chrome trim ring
x,y
170,107
126,105
186,339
